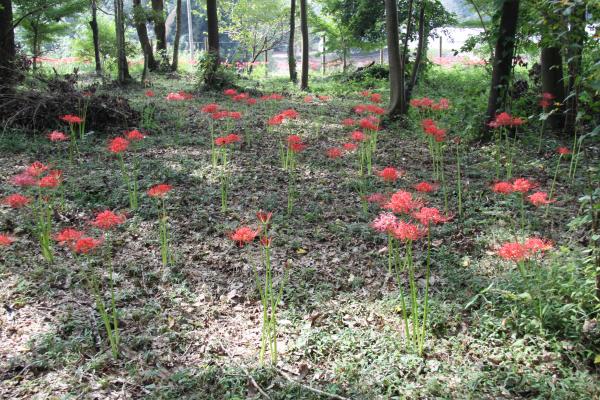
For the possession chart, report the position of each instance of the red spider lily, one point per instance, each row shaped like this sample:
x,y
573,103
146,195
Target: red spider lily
x,y
240,97
185,96
290,113
118,145
349,146
377,198
443,104
546,100
49,182
71,119
219,115
365,123
563,151
68,236
358,136
107,219
513,251
36,169
503,187
159,190
233,138
244,235
425,187
86,245
334,153
5,240
405,231
308,99
23,180
359,109
376,98
149,93
221,141
365,93
522,185
536,245
230,92
402,202
291,139
175,97
390,174
57,136
372,108
16,200
324,98
134,135
297,147
264,217
348,122
424,102
539,199
430,215
385,222
251,102
276,120
427,122
234,114
272,96
505,119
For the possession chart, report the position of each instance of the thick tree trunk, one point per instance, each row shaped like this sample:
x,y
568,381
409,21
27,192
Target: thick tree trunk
x,y
291,55
122,67
96,37
177,35
397,99
553,81
142,31
575,41
213,28
160,31
7,42
503,56
305,53
419,55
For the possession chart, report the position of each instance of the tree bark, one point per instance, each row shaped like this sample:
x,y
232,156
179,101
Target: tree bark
x,y
397,94
96,37
503,56
160,31
305,53
142,31
553,81
7,42
213,28
177,35
575,42
122,67
290,49
419,55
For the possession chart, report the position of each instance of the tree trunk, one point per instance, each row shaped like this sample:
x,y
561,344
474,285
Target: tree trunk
x,y
34,45
419,55
7,42
122,67
553,81
139,17
575,41
305,55
397,100
96,37
160,31
190,28
503,56
177,35
213,28
291,56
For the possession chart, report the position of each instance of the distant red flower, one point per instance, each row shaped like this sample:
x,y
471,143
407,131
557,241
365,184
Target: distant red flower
x,y
505,119
134,135
539,199
334,153
23,180
264,217
503,187
513,251
358,136
563,151
324,98
175,97
36,169
57,136
108,219
367,124
221,141
16,200
402,202
297,147
378,198
359,109
294,139
118,145
5,240
308,99
71,119
244,235
425,187
233,138
290,113
348,122
430,215
522,185
536,245
234,114
149,93
251,102
376,98
86,245
407,232
219,115
546,100
240,97
365,93
276,120
159,190
49,181
389,174
385,222
372,108
68,236
349,146
230,92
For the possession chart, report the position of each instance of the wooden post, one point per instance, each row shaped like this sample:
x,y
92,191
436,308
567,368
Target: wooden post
x,y
206,44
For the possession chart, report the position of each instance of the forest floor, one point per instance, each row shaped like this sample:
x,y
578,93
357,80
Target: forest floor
x,y
192,330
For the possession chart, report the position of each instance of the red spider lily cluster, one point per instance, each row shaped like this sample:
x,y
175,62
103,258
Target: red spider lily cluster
x,y
425,187
272,96
57,136
373,97
431,129
134,135
160,190
425,103
278,119
295,144
504,119
16,201
369,108
149,93
179,96
6,240
390,174
521,185
77,241
71,119
118,145
38,174
228,139
108,219
539,199
517,252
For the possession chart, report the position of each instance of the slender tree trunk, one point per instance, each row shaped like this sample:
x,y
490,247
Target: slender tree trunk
x,y
575,42
553,81
139,16
160,31
122,67
404,54
419,55
213,28
291,56
7,43
305,44
344,59
177,35
190,28
397,100
34,45
96,37
503,56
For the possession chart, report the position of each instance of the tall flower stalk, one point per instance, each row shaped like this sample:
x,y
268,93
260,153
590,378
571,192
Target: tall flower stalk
x,y
158,192
294,146
75,124
223,143
43,208
118,146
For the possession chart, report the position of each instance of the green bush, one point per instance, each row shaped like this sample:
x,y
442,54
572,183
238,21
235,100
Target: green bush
x,y
83,45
